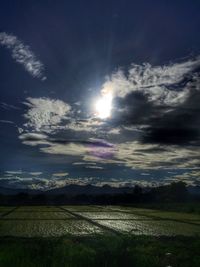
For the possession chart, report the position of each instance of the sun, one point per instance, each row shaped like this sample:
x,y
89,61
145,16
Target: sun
x,y
103,106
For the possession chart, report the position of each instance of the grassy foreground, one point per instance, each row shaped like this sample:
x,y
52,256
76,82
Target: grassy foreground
x,y
138,251
188,207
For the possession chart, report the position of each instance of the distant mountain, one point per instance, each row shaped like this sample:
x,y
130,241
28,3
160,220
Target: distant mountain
x,y
88,190
73,190
195,190
70,190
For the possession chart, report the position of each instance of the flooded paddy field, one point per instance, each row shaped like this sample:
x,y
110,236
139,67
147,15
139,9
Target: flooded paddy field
x,y
51,221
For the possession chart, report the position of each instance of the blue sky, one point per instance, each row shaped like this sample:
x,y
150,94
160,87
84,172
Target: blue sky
x,y
100,92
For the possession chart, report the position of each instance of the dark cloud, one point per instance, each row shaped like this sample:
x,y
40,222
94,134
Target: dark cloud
x,y
134,109
166,135
178,126
159,122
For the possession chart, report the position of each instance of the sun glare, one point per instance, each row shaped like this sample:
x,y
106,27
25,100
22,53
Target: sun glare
x,y
103,106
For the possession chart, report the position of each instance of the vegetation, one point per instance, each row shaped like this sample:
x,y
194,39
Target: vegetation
x,y
52,221
151,209
187,207
100,251
175,192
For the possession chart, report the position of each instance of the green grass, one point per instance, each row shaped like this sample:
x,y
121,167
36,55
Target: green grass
x,y
162,214
41,237
188,207
41,221
46,228
37,215
100,250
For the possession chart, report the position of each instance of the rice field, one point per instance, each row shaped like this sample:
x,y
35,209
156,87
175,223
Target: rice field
x,y
51,221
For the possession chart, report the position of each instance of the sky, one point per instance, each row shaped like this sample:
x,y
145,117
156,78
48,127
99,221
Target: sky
x,y
99,92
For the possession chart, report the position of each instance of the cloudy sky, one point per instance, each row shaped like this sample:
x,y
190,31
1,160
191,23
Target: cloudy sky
x,y
99,92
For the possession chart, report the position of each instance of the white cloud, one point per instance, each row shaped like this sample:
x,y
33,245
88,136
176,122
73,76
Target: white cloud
x,y
45,112
114,131
23,55
8,175
78,163
47,115
132,154
35,173
148,156
5,121
14,172
33,139
90,125
20,130
153,81
8,106
32,136
60,174
189,177
94,167
70,149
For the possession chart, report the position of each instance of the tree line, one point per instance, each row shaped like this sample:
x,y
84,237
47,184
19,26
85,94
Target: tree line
x,y
175,192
